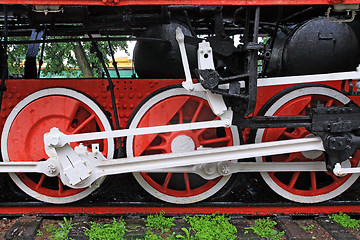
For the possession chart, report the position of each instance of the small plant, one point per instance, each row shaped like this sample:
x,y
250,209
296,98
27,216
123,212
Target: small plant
x,y
212,227
264,227
116,230
308,227
39,233
61,232
345,221
160,222
187,236
158,226
50,228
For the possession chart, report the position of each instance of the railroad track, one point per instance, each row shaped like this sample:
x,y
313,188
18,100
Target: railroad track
x,y
294,227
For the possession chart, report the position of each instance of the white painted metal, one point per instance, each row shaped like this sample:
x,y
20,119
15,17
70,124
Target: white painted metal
x,y
99,168
214,170
182,143
188,83
264,82
311,154
62,139
340,170
21,105
49,167
314,78
206,61
331,93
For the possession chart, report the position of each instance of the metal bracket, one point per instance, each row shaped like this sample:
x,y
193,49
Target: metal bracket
x,y
348,8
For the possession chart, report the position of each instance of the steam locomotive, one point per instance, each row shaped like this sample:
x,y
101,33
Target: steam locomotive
x,y
222,88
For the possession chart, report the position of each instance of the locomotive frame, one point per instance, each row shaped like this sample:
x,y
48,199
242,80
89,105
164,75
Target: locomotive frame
x,y
166,131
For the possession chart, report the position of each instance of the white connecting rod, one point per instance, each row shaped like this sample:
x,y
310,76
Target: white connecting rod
x,y
99,168
55,138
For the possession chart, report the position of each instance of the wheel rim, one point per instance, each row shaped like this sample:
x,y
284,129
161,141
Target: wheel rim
x,y
171,107
22,138
306,187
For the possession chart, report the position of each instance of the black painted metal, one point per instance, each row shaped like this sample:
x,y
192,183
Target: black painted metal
x,y
4,56
41,62
120,152
252,66
32,50
316,46
114,63
159,60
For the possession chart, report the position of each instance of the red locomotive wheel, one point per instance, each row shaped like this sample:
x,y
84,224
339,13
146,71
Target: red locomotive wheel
x,y
176,106
23,138
305,187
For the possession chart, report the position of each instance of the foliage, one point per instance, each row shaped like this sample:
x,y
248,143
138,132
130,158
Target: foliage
x,y
50,228
158,227
207,227
16,56
345,221
187,236
159,222
264,227
116,230
60,232
39,233
308,227
59,57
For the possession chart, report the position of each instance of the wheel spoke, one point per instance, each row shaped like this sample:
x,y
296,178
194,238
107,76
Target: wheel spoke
x,y
161,146
289,135
83,124
332,176
196,114
167,180
293,180
201,131
329,102
72,112
215,140
299,132
61,187
181,116
313,181
41,181
187,182
292,157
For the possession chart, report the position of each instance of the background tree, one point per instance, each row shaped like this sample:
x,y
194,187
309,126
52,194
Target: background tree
x,y
64,59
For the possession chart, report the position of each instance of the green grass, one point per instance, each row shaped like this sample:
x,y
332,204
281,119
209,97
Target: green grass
x,y
345,221
211,227
202,227
158,227
60,231
308,227
265,228
115,230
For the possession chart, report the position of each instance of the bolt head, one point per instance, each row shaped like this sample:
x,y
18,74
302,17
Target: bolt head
x,y
54,141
